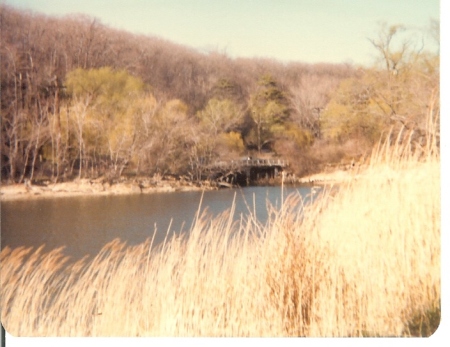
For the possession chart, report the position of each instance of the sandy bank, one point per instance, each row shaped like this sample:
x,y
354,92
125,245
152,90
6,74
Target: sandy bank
x,y
85,187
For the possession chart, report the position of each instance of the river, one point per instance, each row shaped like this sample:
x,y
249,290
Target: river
x,y
83,225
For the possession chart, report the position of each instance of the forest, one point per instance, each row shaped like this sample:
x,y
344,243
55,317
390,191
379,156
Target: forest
x,y
80,99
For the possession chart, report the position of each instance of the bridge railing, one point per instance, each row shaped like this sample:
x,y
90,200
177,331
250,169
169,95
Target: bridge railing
x,y
250,163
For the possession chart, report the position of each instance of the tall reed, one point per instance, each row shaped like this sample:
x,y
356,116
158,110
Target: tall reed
x,y
360,261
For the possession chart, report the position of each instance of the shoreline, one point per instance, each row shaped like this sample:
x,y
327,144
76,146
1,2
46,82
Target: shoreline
x,y
329,178
91,188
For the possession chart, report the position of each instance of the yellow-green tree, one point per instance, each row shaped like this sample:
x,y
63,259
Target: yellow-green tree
x,y
215,136
401,90
268,109
232,142
353,112
220,115
172,132
103,116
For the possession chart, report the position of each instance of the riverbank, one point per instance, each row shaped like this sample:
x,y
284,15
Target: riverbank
x,y
86,187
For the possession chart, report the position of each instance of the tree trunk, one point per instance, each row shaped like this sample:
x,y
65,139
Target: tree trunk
x,y
58,130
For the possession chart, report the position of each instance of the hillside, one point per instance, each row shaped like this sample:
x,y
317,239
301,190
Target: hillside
x,y
81,99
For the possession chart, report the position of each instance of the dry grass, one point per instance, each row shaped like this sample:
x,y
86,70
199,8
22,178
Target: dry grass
x,y
361,262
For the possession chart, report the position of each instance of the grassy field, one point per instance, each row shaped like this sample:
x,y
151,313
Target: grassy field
x,y
362,261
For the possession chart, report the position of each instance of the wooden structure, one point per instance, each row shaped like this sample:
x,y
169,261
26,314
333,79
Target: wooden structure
x,y
245,171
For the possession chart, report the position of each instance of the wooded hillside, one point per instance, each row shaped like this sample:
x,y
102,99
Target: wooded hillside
x,y
80,99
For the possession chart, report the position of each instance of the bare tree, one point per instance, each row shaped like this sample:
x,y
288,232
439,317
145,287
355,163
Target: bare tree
x,y
309,97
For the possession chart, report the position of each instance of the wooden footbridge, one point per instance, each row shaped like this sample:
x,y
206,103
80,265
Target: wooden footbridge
x,y
245,171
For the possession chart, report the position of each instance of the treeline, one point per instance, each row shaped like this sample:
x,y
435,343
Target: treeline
x,y
80,99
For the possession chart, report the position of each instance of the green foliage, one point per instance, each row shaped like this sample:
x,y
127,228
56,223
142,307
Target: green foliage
x,y
232,141
353,112
270,90
226,89
301,137
104,103
220,115
268,108
105,88
402,91
377,102
172,136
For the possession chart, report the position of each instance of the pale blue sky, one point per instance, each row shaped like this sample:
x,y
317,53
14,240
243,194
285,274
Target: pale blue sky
x,y
304,30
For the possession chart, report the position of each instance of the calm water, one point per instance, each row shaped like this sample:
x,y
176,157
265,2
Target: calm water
x,y
85,224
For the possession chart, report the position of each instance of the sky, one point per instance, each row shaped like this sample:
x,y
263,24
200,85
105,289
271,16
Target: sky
x,y
311,31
